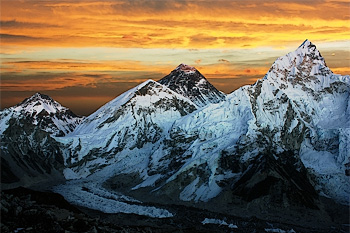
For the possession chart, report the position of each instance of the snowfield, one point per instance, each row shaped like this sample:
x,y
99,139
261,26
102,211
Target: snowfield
x,y
93,196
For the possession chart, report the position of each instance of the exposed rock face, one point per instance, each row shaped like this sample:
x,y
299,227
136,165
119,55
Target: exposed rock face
x,y
281,178
43,112
189,82
29,154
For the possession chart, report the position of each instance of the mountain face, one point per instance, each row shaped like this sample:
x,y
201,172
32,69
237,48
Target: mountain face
x,y
42,111
134,123
29,151
309,116
280,143
190,83
300,114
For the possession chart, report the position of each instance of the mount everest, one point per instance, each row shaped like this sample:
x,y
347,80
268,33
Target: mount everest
x,y
284,140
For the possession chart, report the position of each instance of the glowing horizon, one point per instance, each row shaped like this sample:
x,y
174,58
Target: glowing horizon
x,y
91,51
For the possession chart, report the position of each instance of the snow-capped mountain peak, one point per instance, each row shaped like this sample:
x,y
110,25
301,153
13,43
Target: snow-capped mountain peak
x,y
38,103
43,111
137,119
189,82
150,88
307,48
304,67
306,55
186,68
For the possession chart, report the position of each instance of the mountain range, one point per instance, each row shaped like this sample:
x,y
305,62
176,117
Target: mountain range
x,y
280,143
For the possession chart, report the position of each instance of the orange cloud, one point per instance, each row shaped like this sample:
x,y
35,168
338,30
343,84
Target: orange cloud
x,y
50,83
342,70
171,24
35,25
58,74
225,70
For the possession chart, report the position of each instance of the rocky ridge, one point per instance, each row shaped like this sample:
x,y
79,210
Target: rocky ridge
x,y
189,82
43,112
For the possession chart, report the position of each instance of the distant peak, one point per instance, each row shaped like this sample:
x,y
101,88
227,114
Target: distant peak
x,y
308,47
306,60
42,96
305,43
149,81
186,68
189,82
37,98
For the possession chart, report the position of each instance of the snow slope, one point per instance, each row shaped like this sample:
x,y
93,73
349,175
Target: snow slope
x,y
42,111
131,124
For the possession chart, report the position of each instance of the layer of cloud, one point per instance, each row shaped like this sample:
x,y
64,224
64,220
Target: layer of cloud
x,y
172,24
231,42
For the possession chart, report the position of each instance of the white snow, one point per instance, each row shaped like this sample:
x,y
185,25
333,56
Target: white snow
x,y
219,222
94,197
330,173
149,181
69,174
35,105
277,230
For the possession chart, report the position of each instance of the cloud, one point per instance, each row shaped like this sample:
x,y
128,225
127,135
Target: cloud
x,y
8,38
85,66
63,33
17,24
171,24
224,61
47,81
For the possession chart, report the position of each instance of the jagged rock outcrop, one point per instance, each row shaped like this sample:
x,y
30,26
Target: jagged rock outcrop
x,y
190,83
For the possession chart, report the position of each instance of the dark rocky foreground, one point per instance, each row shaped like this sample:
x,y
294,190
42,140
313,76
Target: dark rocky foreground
x,y
25,210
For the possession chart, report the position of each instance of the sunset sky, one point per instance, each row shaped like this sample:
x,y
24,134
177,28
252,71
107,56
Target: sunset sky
x,y
85,53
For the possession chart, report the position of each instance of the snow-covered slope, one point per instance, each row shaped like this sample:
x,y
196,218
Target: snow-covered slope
x,y
189,82
131,125
28,151
42,111
316,118
300,109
